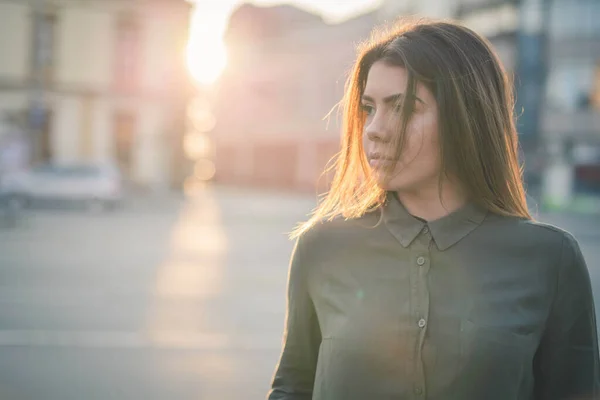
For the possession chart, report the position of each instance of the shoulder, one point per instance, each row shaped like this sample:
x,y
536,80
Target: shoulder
x,y
530,232
338,231
560,240
554,234
555,246
326,237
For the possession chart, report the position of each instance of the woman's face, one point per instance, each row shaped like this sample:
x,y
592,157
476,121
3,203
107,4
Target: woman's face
x,y
418,167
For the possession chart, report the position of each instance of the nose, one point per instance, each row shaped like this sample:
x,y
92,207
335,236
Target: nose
x,y
374,136
376,130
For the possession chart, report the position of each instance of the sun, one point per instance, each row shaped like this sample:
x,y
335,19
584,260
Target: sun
x,y
206,51
206,61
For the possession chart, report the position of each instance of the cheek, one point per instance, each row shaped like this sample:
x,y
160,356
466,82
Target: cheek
x,y
421,138
422,146
425,124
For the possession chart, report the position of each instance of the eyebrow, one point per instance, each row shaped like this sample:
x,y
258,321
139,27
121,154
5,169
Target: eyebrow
x,y
394,98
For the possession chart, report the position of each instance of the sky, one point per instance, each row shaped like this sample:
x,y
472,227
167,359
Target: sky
x,y
206,51
331,10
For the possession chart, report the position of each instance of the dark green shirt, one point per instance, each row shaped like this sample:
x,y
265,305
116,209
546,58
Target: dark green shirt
x,y
472,306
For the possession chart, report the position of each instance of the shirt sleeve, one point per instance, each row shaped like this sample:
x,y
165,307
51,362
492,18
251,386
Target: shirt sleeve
x,y
295,373
566,365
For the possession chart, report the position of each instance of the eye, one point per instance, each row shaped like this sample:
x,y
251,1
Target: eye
x,y
411,109
367,109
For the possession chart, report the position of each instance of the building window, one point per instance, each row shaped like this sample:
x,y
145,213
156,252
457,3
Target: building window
x,y
127,55
571,86
493,21
44,47
124,126
593,16
574,18
595,97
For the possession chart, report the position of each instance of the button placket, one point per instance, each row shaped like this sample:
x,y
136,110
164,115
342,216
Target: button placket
x,y
420,306
421,262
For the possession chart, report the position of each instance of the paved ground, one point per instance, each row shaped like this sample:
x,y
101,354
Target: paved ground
x,y
165,299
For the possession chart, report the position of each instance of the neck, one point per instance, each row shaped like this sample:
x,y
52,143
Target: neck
x,y
430,204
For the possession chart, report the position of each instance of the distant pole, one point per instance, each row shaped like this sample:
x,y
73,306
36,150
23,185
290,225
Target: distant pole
x,y
555,177
531,74
37,107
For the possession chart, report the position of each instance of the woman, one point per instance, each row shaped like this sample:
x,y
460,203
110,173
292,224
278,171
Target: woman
x,y
422,275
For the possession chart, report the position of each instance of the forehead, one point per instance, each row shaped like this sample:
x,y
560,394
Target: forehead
x,y
386,80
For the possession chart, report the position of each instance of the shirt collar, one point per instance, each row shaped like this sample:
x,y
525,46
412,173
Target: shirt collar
x,y
446,231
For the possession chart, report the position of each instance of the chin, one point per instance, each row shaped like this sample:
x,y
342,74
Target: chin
x,y
384,185
389,186
398,186
399,182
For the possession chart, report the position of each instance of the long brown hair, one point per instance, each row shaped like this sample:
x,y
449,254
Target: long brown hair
x,y
478,139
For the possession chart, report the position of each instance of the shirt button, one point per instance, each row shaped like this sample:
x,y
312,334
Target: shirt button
x,y
422,323
426,230
421,260
418,391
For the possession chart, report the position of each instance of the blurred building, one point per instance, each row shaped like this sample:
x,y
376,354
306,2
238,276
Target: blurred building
x,y
497,20
286,72
570,121
99,81
277,124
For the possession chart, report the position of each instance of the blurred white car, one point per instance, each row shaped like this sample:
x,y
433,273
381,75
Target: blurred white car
x,y
99,187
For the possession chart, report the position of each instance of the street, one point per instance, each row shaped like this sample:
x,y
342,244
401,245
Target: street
x,y
166,299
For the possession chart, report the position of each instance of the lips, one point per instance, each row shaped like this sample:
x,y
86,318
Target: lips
x,y
380,162
377,160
